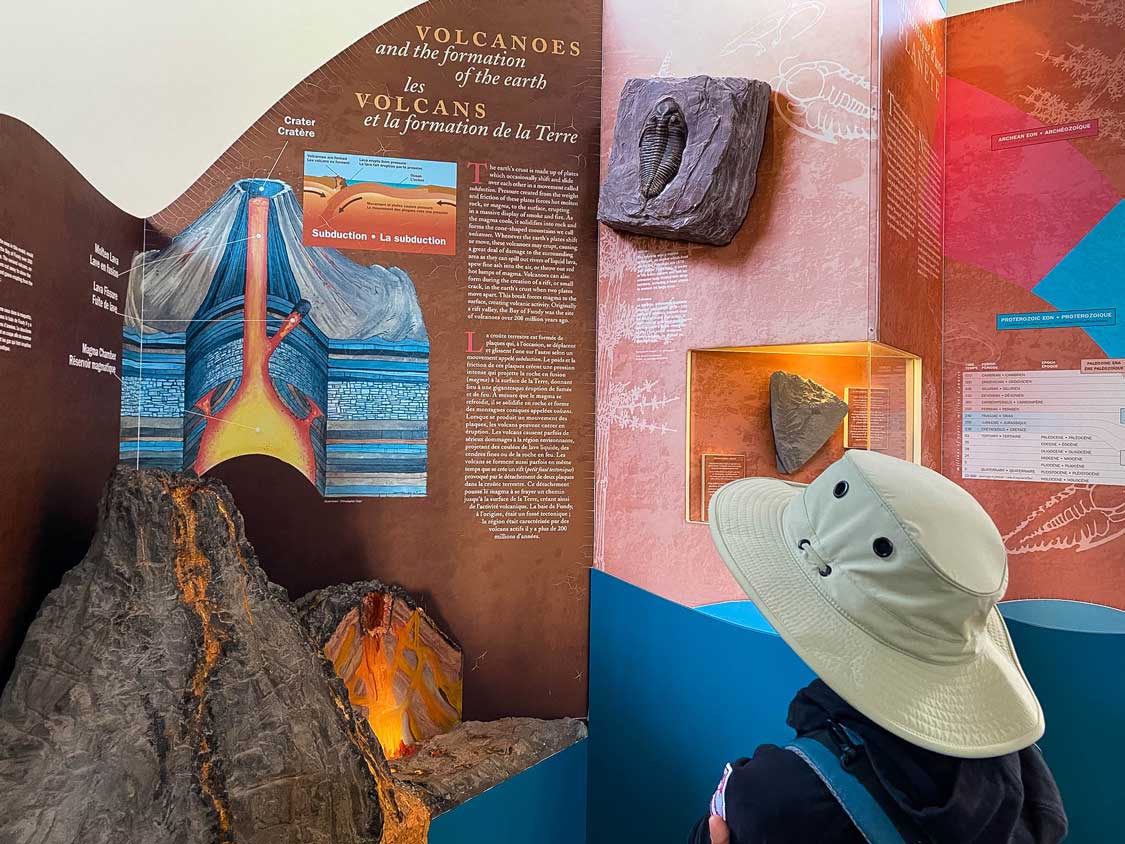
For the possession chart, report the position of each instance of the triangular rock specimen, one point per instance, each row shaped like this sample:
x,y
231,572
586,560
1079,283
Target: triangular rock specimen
x,y
168,694
804,416
402,672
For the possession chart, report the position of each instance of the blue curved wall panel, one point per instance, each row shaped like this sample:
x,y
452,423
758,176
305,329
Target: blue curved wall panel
x,y
676,692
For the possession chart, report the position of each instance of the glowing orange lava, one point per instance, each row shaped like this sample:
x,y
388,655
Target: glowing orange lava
x,y
193,577
256,420
400,674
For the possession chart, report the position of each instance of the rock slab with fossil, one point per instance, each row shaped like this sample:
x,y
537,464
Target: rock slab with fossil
x,y
685,157
805,415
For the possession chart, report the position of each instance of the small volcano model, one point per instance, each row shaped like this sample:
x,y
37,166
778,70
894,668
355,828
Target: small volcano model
x,y
804,415
167,692
403,673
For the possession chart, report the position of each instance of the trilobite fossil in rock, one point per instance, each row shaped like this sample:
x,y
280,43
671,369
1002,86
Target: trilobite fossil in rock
x,y
663,139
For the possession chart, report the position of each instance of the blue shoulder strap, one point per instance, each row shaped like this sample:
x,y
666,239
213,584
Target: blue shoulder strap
x,y
867,815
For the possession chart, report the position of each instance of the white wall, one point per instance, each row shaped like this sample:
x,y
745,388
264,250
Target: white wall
x,y
960,7
143,96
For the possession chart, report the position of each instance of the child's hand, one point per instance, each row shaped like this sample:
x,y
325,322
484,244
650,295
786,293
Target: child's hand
x,y
719,832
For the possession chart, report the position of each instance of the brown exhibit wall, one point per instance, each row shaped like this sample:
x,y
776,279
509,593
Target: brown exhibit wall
x,y
58,427
517,606
911,195
797,272
1033,423
467,314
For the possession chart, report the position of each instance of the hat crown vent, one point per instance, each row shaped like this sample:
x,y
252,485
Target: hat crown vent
x,y
916,561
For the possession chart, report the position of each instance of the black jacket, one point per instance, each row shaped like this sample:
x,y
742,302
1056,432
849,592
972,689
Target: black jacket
x,y
776,798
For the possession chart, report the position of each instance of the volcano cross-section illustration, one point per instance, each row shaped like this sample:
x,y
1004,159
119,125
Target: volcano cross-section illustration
x,y
241,340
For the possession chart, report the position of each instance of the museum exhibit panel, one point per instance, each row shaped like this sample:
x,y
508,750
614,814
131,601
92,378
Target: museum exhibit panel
x,y
369,383
790,411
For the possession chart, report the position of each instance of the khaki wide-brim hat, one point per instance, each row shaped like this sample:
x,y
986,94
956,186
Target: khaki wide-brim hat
x,y
883,576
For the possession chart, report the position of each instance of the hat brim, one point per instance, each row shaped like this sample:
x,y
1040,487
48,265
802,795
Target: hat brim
x,y
978,708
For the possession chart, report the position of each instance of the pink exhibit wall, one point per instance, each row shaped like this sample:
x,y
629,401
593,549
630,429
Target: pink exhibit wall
x,y
975,200
912,160
1034,424
800,270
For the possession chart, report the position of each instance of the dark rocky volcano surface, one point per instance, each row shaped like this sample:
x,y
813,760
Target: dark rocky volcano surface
x,y
167,692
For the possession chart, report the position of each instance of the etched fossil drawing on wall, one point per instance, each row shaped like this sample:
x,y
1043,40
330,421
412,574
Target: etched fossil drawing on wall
x,y
623,405
1080,517
785,25
685,157
663,139
825,100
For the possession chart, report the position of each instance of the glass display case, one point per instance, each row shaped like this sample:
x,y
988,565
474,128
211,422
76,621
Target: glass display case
x,y
790,411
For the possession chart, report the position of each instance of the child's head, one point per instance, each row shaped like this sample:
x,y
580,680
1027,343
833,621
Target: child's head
x,y
884,576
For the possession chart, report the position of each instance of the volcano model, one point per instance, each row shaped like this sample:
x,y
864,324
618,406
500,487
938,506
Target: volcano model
x,y
241,340
169,693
